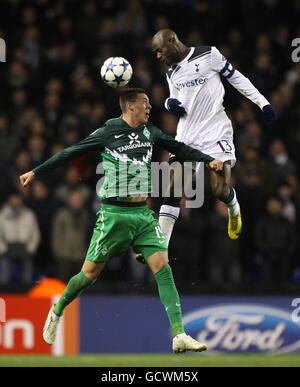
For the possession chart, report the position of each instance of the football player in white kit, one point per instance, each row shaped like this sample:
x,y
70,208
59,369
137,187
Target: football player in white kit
x,y
196,96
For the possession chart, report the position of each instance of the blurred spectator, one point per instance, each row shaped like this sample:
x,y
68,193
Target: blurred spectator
x,y
72,182
275,241
133,21
7,183
19,239
28,16
44,206
9,142
54,86
263,72
98,115
37,149
253,184
289,210
18,75
252,170
32,47
281,165
22,163
69,237
143,72
19,100
252,136
38,127
52,109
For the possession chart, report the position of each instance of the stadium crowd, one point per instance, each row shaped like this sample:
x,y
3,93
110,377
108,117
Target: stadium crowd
x,y
51,96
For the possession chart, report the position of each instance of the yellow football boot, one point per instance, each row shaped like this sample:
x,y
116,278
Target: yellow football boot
x,y
234,226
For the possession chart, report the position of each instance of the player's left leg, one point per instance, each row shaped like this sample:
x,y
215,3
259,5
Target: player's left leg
x,y
158,263
152,244
77,284
220,184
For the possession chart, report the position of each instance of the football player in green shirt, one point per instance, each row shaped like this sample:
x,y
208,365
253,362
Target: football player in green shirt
x,y
124,220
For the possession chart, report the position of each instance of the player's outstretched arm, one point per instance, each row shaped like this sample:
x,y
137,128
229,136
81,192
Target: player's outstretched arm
x,y
242,84
27,178
245,87
93,141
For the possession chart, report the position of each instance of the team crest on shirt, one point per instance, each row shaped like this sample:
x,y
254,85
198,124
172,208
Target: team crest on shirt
x,y
146,133
197,67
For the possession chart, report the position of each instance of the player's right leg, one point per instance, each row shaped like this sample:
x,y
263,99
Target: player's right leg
x,y
111,236
77,284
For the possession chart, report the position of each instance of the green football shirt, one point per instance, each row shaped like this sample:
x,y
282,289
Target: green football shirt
x,y
126,154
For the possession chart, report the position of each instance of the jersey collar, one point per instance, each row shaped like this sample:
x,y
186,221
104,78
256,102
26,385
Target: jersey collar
x,y
187,57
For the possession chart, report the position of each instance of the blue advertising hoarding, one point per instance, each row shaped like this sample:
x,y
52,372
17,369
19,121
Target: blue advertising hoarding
x,y
111,324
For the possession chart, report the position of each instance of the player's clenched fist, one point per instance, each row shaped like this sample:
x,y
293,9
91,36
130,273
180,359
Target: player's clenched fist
x,y
26,178
216,165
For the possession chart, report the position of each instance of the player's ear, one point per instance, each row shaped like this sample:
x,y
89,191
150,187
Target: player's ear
x,y
130,106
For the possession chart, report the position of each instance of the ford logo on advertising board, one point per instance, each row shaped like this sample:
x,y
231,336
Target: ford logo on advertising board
x,y
239,328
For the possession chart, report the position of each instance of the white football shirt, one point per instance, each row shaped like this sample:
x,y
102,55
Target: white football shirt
x,y
196,83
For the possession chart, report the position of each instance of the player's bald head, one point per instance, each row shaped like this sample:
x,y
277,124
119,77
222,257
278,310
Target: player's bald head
x,y
167,47
165,36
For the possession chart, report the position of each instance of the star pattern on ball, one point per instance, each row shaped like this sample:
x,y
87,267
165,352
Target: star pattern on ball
x,y
116,71
125,65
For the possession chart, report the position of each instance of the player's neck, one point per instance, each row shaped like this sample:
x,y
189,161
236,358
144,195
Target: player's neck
x,y
131,121
184,51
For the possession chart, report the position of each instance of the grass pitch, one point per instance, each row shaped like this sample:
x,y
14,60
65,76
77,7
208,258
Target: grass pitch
x,y
152,360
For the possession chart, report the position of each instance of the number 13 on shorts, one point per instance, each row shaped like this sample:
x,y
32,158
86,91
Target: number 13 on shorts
x,y
225,146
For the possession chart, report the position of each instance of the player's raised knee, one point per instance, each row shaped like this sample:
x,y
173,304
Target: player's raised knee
x,y
157,261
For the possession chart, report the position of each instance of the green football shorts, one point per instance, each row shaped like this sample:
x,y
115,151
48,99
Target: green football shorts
x,y
117,228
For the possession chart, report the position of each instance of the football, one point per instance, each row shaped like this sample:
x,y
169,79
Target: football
x,y
116,71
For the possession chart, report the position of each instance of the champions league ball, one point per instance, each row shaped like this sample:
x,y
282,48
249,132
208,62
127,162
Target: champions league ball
x,y
116,71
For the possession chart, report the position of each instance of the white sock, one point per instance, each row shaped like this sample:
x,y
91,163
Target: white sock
x,y
233,206
167,219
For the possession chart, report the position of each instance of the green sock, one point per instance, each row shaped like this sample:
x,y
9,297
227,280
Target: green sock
x,y
170,299
76,285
